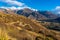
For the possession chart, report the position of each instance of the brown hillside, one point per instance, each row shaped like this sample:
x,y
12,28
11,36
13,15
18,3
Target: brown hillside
x,y
18,27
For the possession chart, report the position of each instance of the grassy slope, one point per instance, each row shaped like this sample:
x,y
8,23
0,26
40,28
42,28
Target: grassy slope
x,y
18,27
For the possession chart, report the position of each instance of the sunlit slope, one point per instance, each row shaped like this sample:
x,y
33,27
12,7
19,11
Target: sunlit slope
x,y
18,27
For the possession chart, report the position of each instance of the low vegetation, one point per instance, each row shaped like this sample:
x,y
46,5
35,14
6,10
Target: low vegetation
x,y
18,27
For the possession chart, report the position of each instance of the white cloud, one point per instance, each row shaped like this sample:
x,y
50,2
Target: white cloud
x,y
56,10
13,2
57,7
13,8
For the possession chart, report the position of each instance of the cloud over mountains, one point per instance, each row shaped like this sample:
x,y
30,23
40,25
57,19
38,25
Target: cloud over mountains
x,y
13,2
56,10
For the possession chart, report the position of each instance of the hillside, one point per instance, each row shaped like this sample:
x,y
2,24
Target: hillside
x,y
18,27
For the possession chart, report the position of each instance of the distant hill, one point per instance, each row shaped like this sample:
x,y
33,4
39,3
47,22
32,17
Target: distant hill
x,y
38,15
48,14
57,19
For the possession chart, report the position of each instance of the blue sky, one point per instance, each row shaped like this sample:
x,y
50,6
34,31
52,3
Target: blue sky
x,y
32,4
42,4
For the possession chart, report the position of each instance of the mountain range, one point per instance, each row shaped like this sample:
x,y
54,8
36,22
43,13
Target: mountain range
x,y
38,15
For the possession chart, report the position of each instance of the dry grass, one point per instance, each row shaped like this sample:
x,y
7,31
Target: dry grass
x,y
18,27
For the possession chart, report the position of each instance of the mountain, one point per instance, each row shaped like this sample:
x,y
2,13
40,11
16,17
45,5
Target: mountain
x,y
31,14
48,14
38,15
18,27
58,15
